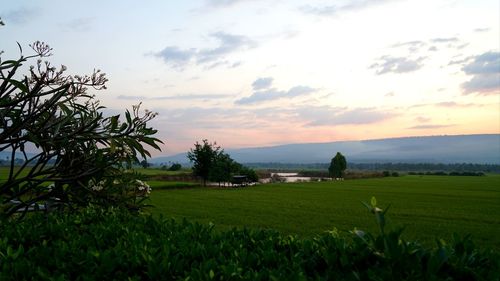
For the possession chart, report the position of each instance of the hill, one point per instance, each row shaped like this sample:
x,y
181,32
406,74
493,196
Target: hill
x,y
481,149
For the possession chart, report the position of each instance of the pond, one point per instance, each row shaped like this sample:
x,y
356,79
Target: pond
x,y
291,177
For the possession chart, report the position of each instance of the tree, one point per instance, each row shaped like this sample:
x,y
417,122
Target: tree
x,y
144,163
175,167
203,156
71,152
337,166
210,162
249,173
222,168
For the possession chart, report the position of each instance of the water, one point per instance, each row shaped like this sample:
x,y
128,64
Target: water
x,y
291,177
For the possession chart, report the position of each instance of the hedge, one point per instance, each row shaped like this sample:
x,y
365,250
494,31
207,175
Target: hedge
x,y
111,244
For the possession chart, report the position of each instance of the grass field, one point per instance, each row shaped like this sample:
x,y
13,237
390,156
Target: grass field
x,y
155,172
428,206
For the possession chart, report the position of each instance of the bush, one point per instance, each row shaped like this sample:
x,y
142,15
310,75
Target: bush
x,y
251,175
71,153
175,167
97,244
314,173
350,174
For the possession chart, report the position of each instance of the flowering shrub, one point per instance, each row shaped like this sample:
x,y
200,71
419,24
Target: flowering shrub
x,y
63,140
143,187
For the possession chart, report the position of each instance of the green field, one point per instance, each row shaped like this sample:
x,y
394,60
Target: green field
x,y
156,172
429,207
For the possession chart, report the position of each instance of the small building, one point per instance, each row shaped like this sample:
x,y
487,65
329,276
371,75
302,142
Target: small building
x,y
239,180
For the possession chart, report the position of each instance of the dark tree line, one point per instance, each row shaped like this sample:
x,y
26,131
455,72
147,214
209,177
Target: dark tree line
x,y
425,167
400,167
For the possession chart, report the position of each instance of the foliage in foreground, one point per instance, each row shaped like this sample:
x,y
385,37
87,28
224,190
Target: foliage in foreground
x,y
97,244
72,154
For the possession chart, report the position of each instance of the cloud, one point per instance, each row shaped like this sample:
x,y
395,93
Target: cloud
x,y
446,104
224,3
320,11
273,94
413,46
487,63
412,61
416,52
482,85
236,64
445,40
78,25
290,33
414,43
357,116
389,64
485,72
176,57
389,94
423,119
431,45
262,83
332,10
481,29
19,16
177,97
228,44
331,116
246,124
423,127
460,61
192,97
452,104
126,97
307,116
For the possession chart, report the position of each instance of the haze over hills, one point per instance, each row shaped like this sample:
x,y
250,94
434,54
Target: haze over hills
x,y
480,149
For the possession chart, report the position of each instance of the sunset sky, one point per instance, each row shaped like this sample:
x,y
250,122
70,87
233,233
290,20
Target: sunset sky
x,y
249,73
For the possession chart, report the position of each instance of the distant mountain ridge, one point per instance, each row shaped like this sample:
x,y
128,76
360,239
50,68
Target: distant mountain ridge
x,y
480,149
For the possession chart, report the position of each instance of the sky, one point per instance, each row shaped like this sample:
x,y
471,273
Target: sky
x,y
250,73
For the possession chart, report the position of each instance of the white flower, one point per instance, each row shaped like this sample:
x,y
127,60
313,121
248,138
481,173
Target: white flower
x,y
124,151
128,150
142,186
96,187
